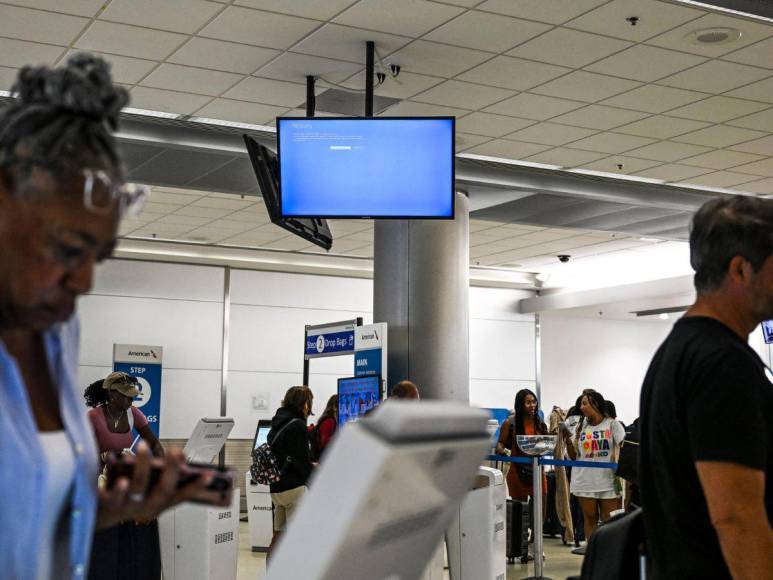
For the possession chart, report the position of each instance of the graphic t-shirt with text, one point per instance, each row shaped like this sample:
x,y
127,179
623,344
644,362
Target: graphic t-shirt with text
x,y
597,443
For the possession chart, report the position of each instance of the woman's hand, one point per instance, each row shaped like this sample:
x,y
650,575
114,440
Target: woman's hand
x,y
131,499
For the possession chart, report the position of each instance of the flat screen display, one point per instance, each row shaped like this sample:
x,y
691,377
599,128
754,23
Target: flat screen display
x,y
357,396
261,433
388,167
767,331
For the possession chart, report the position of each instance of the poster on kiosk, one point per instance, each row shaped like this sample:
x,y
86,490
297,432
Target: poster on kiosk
x,y
143,362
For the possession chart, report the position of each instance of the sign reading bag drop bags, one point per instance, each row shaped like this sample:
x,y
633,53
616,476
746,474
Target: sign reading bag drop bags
x,y
145,363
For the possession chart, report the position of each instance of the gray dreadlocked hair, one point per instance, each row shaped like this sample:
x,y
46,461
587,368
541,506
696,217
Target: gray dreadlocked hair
x,y
61,120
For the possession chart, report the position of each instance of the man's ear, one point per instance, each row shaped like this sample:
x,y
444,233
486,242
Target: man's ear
x,y
739,271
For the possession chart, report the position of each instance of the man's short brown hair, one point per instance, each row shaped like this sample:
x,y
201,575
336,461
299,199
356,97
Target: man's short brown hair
x,y
405,390
297,398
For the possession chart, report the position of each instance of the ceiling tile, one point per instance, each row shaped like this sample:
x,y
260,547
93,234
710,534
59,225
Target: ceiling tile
x,y
513,73
130,40
571,48
585,86
719,136
654,18
258,27
763,168
645,63
715,76
755,55
346,43
36,25
317,9
676,39
721,179
764,186
269,92
759,91
762,121
485,31
411,109
490,125
123,68
220,55
465,95
668,151
631,165
185,16
610,143
223,203
167,101
405,86
191,80
762,146
531,106
550,134
566,157
599,117
507,149
409,17
718,109
654,99
7,77
466,140
437,59
207,212
17,53
241,112
552,11
721,159
673,172
87,8
295,67
661,127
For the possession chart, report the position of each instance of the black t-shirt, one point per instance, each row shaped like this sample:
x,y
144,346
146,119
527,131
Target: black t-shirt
x,y
706,397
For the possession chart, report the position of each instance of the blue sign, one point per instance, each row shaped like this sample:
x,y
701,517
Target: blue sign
x,y
145,364
767,331
367,363
330,343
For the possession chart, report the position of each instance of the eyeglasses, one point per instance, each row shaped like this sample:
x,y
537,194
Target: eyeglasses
x,y
100,194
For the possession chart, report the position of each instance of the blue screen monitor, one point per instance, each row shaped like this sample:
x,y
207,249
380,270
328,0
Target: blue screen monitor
x,y
767,331
357,396
385,167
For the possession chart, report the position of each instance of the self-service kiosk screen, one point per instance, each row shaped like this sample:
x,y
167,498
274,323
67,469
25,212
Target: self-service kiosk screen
x,y
386,167
767,331
357,396
261,434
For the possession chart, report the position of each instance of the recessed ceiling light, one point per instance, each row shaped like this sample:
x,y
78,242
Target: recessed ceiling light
x,y
663,316
650,240
713,36
150,113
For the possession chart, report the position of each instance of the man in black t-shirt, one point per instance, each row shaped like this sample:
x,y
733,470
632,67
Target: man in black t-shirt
x,y
706,464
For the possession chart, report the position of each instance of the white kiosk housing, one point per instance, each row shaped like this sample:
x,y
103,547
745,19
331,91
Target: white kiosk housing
x,y
260,511
387,491
200,542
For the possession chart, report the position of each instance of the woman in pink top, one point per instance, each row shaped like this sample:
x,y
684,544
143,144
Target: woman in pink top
x,y
130,549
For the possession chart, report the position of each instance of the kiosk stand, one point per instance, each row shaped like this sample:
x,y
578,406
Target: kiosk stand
x,y
200,542
260,511
535,446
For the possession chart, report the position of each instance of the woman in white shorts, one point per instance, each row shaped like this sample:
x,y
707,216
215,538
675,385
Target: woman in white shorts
x,y
596,439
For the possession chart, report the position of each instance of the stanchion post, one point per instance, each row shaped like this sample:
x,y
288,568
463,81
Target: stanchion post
x,y
537,517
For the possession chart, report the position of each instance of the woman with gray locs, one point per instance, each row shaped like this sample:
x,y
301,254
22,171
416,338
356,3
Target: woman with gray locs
x,y
62,196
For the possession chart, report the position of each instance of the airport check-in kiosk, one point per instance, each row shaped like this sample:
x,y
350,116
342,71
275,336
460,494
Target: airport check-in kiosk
x,y
385,514
260,512
200,542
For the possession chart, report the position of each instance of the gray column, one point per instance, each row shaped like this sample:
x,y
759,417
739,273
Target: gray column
x,y
421,288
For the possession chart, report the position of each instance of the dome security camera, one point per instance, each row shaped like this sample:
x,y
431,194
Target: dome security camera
x,y
563,258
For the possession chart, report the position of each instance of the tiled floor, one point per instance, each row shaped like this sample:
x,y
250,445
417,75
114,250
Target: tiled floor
x,y
559,564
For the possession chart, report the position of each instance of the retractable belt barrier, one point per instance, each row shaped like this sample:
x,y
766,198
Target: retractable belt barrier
x,y
556,462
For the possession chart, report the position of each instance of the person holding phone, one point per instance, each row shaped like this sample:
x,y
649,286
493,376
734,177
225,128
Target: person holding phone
x,y
62,196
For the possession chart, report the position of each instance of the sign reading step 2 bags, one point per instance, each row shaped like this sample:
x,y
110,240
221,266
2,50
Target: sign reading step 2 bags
x,y
143,362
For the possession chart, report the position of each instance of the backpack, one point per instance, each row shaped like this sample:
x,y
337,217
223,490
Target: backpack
x,y
265,468
628,460
616,549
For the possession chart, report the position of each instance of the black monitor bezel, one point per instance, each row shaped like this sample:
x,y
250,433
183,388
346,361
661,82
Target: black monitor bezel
x,y
365,217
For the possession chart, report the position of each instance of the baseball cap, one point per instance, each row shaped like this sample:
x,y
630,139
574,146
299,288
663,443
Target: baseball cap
x,y
121,382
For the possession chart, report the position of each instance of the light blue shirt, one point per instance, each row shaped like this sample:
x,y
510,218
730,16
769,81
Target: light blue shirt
x,y
24,470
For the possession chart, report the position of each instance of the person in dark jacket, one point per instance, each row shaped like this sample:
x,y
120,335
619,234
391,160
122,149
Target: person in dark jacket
x,y
289,441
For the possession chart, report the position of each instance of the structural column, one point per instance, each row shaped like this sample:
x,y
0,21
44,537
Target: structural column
x,y
421,289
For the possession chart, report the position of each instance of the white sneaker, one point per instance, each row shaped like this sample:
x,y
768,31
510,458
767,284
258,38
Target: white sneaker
x,y
530,554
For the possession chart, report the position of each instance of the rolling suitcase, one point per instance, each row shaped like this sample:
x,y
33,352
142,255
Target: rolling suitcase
x,y
552,526
517,531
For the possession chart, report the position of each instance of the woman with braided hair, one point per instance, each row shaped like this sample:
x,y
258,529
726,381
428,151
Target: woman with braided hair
x,y
62,195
